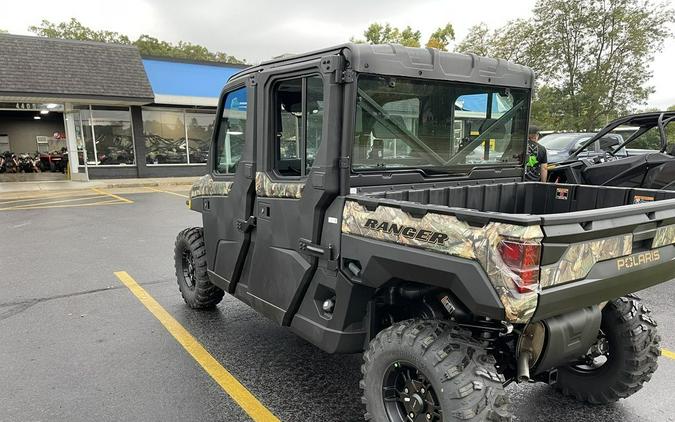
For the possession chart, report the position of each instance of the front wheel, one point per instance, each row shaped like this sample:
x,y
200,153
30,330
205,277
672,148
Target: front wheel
x,y
426,370
623,359
193,281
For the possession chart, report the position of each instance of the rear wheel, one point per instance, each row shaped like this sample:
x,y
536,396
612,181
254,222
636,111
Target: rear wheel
x,y
190,260
623,359
426,370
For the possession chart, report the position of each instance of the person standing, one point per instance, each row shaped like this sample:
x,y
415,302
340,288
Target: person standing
x,y
537,160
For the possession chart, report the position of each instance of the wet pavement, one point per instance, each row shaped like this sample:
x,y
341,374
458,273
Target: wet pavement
x,y
76,345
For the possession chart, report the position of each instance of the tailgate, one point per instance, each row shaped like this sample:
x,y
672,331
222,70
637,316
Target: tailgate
x,y
589,257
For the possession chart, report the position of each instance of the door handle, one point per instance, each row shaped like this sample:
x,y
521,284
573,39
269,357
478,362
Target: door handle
x,y
264,211
308,248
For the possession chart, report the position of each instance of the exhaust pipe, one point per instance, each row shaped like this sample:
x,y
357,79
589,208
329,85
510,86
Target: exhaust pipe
x,y
530,345
524,359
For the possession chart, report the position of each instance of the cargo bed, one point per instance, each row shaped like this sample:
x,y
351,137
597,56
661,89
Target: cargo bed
x,y
597,242
529,198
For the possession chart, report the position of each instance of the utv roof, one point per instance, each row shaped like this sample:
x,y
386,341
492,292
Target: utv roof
x,y
428,63
642,119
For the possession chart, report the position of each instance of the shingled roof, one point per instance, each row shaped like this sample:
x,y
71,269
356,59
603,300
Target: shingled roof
x,y
46,67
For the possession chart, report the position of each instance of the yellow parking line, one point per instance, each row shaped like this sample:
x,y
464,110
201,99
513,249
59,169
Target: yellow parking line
x,y
58,201
256,410
102,192
166,191
49,196
667,353
37,207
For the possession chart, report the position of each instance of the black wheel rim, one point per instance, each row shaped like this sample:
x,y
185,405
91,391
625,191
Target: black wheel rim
x,y
188,269
408,395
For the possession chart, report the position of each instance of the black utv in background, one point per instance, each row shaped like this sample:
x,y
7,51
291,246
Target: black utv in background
x,y
370,198
650,169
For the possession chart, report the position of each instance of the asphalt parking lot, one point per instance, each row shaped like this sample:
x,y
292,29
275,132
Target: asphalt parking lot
x,y
80,342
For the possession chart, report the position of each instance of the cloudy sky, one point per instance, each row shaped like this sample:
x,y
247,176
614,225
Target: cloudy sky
x,y
257,30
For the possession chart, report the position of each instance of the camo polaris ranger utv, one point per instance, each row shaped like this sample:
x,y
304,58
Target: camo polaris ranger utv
x,y
370,198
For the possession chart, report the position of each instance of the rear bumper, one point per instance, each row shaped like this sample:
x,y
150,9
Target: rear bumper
x,y
605,282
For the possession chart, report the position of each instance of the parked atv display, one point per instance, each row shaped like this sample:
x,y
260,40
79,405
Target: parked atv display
x,y
371,199
10,163
651,170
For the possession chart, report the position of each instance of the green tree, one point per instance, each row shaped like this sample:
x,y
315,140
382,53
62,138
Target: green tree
x,y
592,57
671,108
147,45
377,33
599,54
410,38
74,30
516,41
441,37
477,41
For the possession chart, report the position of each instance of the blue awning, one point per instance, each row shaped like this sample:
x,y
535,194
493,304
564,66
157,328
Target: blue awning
x,y
189,84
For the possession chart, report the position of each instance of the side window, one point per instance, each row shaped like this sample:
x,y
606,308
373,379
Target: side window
x,y
314,116
298,123
232,132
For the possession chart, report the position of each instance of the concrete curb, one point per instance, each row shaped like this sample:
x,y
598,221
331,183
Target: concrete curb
x,y
53,186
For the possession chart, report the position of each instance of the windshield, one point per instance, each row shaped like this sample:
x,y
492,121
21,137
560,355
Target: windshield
x,y
563,141
437,126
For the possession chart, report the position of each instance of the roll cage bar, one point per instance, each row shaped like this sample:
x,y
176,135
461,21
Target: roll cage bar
x,y
645,121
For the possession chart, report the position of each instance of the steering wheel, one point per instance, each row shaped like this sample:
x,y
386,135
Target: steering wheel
x,y
604,158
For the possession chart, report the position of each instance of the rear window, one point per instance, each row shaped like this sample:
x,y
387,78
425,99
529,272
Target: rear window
x,y
437,126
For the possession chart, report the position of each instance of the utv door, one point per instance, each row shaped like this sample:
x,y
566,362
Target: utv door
x,y
225,212
295,181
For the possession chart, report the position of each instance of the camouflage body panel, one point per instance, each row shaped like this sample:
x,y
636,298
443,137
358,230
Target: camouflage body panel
x,y
206,186
265,187
664,236
460,239
579,259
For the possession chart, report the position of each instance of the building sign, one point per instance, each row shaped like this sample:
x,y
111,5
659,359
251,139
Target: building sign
x,y
31,106
27,106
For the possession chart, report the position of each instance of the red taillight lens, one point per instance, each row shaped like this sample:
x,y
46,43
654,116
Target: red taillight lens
x,y
522,258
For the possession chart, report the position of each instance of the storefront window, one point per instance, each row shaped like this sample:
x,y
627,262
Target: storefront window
x,y
85,122
164,137
107,136
114,141
177,136
199,131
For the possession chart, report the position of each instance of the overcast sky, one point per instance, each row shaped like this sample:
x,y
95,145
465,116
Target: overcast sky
x,y
257,30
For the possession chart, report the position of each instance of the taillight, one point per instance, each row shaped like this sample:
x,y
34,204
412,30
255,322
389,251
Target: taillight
x,y
523,259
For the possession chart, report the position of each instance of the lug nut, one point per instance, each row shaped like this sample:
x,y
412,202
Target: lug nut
x,y
429,416
422,391
406,391
412,415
